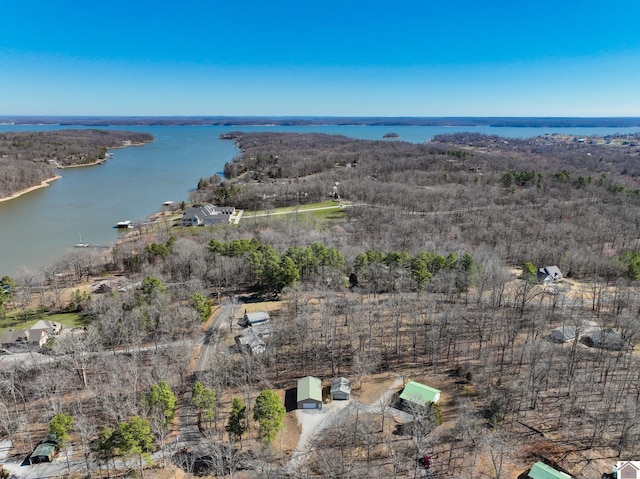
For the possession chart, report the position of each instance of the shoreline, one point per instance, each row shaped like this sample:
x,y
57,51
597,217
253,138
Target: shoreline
x,y
101,161
18,194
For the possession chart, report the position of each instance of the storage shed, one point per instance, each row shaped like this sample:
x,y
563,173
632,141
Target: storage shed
x,y
340,389
309,395
45,451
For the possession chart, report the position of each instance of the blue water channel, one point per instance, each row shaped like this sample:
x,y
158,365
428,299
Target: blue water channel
x,y
38,228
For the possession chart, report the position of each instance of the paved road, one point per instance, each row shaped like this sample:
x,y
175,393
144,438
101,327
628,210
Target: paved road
x,y
189,434
305,210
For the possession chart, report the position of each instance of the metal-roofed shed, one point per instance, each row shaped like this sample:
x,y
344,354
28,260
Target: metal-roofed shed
x,y
542,471
309,394
341,389
419,393
254,319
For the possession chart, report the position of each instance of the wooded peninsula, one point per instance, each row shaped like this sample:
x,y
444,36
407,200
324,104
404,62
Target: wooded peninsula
x,y
499,275
29,159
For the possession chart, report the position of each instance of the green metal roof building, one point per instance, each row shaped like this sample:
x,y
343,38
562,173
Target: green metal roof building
x,y
419,393
541,471
309,393
45,451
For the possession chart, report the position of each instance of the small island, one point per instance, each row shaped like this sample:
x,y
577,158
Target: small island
x,y
391,135
28,160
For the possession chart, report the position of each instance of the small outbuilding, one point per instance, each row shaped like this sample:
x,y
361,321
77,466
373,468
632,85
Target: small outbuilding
x,y
542,471
340,389
309,394
420,394
45,451
256,319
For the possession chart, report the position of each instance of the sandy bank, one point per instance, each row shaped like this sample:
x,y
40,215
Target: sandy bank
x,y
28,190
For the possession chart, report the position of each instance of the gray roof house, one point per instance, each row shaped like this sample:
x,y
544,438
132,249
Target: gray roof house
x,y
340,389
205,215
549,274
249,341
605,338
564,334
51,327
24,339
255,319
262,331
309,394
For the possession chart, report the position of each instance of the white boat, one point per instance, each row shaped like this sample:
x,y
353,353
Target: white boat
x,y
124,224
80,244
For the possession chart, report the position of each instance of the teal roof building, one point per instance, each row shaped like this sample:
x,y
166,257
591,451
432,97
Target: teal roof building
x,y
419,393
541,471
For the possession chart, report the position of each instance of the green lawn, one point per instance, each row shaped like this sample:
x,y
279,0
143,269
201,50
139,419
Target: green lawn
x,y
14,320
324,213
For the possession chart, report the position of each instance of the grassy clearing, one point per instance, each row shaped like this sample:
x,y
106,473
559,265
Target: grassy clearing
x,y
330,207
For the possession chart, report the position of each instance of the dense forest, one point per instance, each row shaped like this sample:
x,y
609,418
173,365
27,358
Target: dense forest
x,y
29,158
427,271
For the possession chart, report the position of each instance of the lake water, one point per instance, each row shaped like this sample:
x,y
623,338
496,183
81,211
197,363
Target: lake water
x,y
40,227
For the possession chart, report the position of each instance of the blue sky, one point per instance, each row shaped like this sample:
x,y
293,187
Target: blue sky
x,y
330,58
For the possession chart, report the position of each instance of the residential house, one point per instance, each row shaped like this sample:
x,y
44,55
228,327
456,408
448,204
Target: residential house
x,y
205,215
263,331
549,274
420,394
340,389
51,327
249,341
564,334
108,285
24,339
15,338
605,338
255,319
309,395
542,471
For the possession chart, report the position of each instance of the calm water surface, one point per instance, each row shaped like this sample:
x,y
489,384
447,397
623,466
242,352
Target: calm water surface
x,y
40,227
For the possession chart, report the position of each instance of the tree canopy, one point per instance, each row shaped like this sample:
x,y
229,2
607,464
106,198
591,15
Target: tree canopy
x,y
269,412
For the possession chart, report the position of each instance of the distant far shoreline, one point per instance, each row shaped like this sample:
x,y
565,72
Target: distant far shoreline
x,y
238,121
44,184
